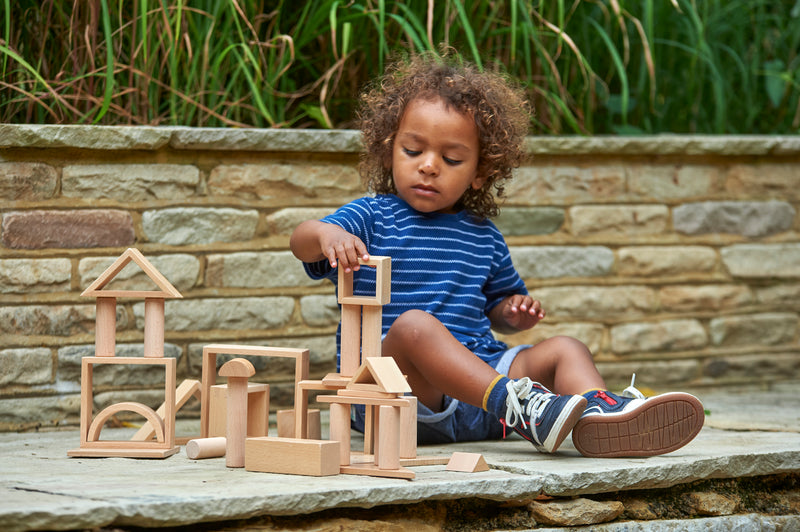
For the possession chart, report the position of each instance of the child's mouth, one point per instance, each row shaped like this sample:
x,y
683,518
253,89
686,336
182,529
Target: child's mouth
x,y
424,189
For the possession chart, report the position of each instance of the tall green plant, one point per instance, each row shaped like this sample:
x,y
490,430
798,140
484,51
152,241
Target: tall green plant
x,y
590,66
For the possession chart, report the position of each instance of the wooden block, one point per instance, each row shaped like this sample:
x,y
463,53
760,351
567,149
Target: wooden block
x,y
383,280
205,448
236,429
467,462
373,471
257,410
350,344
357,391
287,426
90,428
335,380
371,331
387,450
408,429
398,401
105,329
382,371
340,430
95,289
292,456
208,378
154,327
370,422
186,389
357,459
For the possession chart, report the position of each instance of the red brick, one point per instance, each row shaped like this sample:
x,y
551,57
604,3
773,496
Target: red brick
x,y
67,229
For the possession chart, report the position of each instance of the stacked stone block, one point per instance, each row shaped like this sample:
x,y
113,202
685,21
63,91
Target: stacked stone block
x,y
677,258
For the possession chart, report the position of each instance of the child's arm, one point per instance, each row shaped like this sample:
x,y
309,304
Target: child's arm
x,y
516,313
314,240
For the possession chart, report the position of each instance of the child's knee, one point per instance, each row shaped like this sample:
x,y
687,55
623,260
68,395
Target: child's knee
x,y
413,325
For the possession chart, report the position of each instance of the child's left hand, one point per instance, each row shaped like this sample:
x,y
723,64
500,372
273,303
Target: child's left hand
x,y
521,312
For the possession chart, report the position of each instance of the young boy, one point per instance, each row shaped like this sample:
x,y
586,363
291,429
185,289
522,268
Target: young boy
x,y
439,139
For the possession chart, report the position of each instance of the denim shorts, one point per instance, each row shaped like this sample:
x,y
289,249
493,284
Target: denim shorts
x,y
457,421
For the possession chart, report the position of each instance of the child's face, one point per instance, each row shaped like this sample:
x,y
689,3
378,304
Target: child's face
x,y
435,156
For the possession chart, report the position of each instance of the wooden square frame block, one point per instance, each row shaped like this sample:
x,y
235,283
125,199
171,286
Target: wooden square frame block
x,y
209,376
92,446
383,283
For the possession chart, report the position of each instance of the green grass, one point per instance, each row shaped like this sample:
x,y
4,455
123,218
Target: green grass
x,y
590,66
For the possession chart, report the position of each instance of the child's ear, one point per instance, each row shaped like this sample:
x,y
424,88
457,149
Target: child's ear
x,y
478,183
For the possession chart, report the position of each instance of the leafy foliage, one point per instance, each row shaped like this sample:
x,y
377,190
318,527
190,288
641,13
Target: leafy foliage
x,y
590,66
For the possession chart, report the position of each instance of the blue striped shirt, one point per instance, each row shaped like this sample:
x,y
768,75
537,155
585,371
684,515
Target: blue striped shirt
x,y
453,266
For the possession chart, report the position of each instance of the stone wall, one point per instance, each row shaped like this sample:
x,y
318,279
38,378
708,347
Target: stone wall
x,y
677,258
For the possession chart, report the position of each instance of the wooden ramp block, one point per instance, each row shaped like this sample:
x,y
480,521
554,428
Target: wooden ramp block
x,y
467,463
187,389
372,470
292,456
286,424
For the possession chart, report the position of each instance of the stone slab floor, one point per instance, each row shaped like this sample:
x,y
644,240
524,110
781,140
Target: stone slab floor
x,y
742,472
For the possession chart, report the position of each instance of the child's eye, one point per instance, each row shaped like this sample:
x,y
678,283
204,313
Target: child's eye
x,y
451,162
412,153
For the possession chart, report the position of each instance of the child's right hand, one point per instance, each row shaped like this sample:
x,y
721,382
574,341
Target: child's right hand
x,y
341,248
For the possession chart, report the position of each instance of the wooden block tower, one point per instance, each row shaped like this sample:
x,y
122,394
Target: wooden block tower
x,y
105,343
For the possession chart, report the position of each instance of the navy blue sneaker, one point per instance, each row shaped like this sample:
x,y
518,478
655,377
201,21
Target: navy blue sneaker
x,y
631,425
540,416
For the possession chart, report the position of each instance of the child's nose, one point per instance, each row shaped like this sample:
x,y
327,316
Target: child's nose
x,y
428,165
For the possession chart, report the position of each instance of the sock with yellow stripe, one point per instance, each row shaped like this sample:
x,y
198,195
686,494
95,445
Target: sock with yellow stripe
x,y
494,399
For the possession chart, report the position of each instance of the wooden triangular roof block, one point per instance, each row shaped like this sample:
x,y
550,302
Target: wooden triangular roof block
x,y
467,462
131,254
381,374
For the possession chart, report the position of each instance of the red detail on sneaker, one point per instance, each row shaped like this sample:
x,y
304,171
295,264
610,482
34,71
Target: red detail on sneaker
x,y
602,395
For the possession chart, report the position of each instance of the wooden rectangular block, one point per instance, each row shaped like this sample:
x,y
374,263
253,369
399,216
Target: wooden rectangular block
x,y
292,456
257,410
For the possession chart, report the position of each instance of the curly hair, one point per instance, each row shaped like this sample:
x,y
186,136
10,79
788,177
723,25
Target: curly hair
x,y
494,100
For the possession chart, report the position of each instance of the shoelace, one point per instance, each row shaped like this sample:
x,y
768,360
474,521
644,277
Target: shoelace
x,y
631,391
521,390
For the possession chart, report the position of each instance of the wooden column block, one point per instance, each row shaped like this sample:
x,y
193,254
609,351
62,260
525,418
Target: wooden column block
x,y
287,425
408,429
105,327
205,448
371,329
350,345
340,430
292,456
257,410
237,372
154,327
387,450
370,423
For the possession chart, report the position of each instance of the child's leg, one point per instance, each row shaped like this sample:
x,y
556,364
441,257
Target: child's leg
x,y
562,364
612,425
435,363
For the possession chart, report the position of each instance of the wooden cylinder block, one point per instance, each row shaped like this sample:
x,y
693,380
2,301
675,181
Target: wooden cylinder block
x,y
387,449
205,448
340,430
105,332
154,327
